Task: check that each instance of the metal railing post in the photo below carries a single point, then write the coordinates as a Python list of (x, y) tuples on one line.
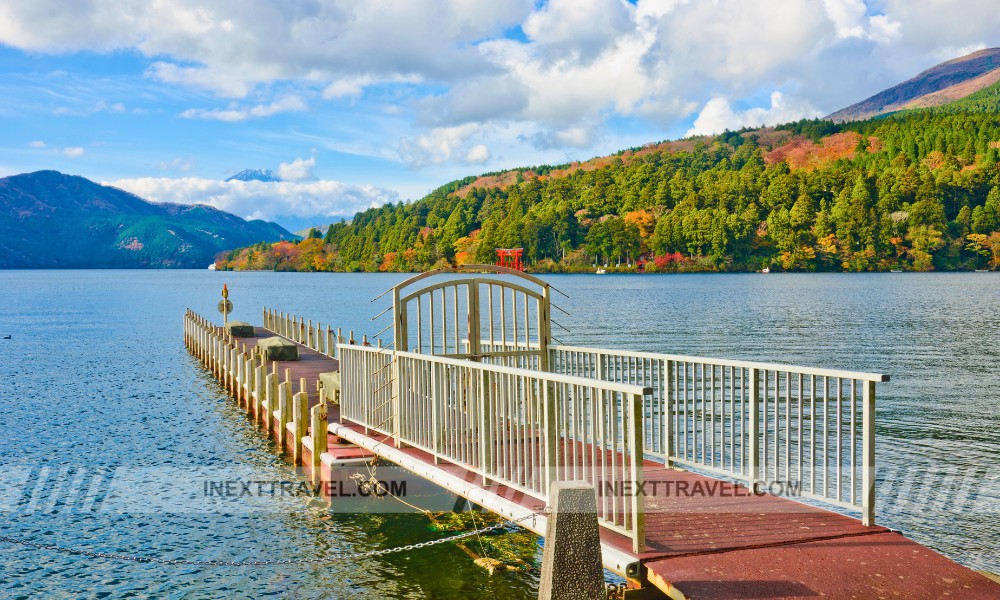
[(636, 438), (436, 400), (753, 429), (551, 437), (868, 454), (667, 377), (396, 400), (485, 439)]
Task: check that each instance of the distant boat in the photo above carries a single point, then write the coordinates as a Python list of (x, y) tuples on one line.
[(895, 270), (765, 270), (211, 267), (600, 271), (982, 270)]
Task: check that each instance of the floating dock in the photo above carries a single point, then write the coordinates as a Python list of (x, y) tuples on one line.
[(495, 415)]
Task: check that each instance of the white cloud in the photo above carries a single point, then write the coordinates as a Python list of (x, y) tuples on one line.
[(573, 137), (439, 145), (884, 30), (36, 144), (224, 84), (353, 86), (234, 114), (718, 115), (297, 170), (99, 107), (73, 151), (581, 65), (231, 48), (262, 200), (579, 28), (182, 165), (477, 155), (847, 16)]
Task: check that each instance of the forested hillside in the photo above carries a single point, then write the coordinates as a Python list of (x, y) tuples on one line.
[(917, 190)]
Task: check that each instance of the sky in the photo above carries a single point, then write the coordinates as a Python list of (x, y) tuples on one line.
[(358, 103)]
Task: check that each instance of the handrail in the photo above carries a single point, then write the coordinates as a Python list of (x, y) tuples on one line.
[(808, 428), (302, 331), (505, 370), (522, 428), (819, 372)]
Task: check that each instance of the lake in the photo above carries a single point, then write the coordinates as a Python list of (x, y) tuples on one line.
[(97, 384)]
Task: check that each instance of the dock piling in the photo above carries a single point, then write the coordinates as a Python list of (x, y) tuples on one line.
[(281, 414), (318, 432), (300, 419)]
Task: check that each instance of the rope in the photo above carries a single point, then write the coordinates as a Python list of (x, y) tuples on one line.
[(244, 563)]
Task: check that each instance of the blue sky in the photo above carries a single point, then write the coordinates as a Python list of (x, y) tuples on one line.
[(361, 103)]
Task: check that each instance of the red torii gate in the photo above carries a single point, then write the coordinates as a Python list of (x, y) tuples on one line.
[(510, 258)]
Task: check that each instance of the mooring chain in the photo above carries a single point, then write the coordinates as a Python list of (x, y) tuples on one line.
[(247, 563)]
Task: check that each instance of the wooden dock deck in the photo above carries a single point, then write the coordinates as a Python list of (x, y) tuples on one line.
[(704, 538)]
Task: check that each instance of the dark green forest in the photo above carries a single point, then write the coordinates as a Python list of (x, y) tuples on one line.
[(916, 190)]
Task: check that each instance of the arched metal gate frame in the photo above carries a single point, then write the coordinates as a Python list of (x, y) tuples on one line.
[(481, 318)]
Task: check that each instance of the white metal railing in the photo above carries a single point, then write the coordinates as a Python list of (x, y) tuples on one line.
[(302, 331), (520, 428), (761, 422)]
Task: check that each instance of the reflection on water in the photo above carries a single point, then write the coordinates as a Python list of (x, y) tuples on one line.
[(96, 376)]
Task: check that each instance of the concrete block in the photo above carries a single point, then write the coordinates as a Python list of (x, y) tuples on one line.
[(331, 383), (239, 329), (571, 559), (278, 348)]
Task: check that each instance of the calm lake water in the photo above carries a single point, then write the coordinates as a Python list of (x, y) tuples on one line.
[(96, 381)]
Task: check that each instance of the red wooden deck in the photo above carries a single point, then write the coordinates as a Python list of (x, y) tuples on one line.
[(709, 539)]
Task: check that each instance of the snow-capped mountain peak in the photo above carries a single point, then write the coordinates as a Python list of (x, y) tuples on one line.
[(254, 175)]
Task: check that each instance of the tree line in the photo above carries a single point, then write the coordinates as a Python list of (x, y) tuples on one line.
[(918, 190)]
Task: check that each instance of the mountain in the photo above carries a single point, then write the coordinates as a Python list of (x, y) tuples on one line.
[(255, 175), (937, 86), (52, 220), (307, 230)]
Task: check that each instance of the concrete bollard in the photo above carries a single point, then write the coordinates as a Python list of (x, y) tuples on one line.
[(300, 426), (571, 560), (260, 372), (246, 389), (270, 402), (282, 412), (318, 433)]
